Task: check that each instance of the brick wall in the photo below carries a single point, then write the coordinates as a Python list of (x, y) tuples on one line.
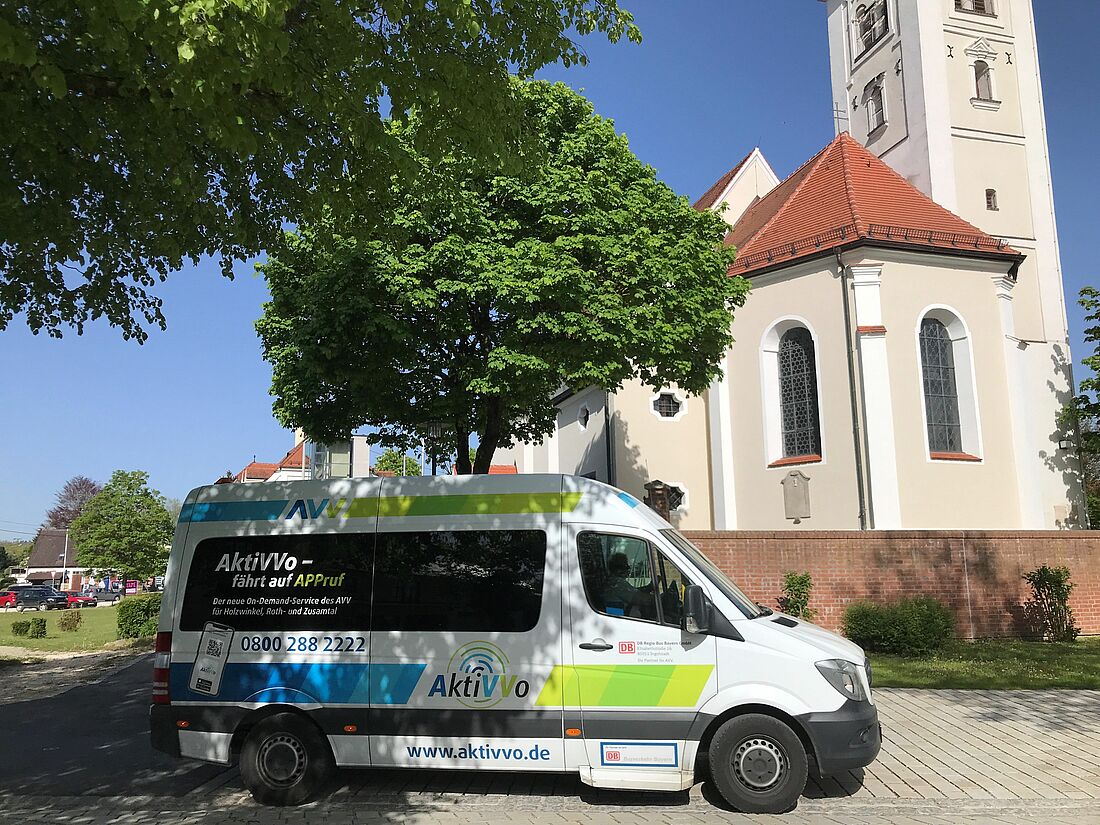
[(977, 573)]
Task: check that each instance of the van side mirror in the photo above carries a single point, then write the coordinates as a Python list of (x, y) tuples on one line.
[(696, 616)]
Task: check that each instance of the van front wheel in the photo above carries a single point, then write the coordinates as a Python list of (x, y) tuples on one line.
[(285, 760), (758, 764)]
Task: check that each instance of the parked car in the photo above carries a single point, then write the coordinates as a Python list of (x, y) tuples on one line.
[(40, 598), (7, 598), (108, 596), (78, 599)]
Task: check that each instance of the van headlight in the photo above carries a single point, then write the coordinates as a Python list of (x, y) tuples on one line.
[(844, 676)]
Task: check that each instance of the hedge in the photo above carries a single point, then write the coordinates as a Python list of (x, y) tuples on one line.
[(138, 616), (908, 627)]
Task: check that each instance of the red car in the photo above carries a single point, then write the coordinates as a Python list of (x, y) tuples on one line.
[(7, 598), (78, 599)]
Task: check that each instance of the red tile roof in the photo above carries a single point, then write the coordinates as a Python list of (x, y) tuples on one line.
[(710, 197), (494, 469), (295, 457), (842, 194), (257, 469)]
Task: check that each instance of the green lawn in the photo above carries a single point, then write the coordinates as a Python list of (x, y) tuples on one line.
[(995, 664), (96, 630)]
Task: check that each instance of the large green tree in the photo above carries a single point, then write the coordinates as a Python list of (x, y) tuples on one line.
[(1083, 412), (139, 134), (125, 528), (462, 300)]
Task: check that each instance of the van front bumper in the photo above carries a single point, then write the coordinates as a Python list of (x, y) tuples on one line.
[(846, 738)]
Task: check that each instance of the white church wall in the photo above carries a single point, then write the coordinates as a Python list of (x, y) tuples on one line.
[(950, 494), (582, 430), (674, 450), (810, 291), (754, 180), (1000, 166)]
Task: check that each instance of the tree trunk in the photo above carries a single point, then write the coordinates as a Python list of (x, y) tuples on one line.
[(487, 444), (462, 445)]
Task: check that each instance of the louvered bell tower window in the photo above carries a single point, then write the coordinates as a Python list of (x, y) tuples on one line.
[(798, 394), (941, 396)]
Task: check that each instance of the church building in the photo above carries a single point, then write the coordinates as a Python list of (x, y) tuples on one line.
[(903, 356)]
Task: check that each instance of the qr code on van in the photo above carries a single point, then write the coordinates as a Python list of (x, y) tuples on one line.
[(214, 648)]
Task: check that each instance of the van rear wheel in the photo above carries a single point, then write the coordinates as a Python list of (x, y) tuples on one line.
[(758, 764), (285, 760)]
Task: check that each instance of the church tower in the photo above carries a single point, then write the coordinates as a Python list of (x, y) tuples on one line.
[(947, 92)]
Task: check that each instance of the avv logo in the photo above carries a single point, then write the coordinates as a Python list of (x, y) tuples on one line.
[(478, 677)]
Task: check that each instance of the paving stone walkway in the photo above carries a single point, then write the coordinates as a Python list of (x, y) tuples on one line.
[(959, 757)]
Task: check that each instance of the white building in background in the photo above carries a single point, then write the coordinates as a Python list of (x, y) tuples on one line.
[(903, 356)]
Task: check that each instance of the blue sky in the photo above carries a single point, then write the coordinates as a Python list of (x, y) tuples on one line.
[(712, 79)]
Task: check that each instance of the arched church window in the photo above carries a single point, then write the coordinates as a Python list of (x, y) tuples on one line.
[(798, 403), (876, 110), (871, 23), (983, 80), (941, 394), (976, 6)]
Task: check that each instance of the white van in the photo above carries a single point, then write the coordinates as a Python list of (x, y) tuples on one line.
[(530, 623)]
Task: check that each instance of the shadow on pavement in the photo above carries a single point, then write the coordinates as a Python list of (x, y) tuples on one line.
[(92, 740)]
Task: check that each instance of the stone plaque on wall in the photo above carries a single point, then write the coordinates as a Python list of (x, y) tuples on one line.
[(796, 495)]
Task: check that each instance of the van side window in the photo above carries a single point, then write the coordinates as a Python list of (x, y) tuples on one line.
[(310, 582), (618, 575), (482, 581), (670, 587)]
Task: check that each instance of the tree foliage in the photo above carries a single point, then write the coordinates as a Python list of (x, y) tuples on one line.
[(18, 552), (467, 299), (71, 500), (1082, 414), (139, 134), (7, 560), (124, 529), (397, 462)]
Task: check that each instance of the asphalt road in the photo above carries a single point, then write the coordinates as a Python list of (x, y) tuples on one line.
[(92, 740)]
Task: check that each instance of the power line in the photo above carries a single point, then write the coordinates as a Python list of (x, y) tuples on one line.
[(24, 523)]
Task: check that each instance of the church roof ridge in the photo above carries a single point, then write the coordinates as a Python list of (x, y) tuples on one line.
[(797, 178), (842, 194)]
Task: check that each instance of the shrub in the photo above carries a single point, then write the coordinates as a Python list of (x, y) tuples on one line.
[(70, 621), (138, 615), (38, 628), (1048, 610), (20, 628), (909, 627), (797, 588)]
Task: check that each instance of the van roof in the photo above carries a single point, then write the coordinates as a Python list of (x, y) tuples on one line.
[(576, 499)]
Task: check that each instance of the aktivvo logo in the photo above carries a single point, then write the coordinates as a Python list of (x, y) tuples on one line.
[(478, 677), (311, 508)]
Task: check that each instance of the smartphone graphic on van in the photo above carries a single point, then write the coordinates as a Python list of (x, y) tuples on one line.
[(206, 675)]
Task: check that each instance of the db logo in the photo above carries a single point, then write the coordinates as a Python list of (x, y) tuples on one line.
[(625, 647), (612, 756)]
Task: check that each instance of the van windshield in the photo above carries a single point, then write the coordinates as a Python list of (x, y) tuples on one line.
[(716, 577)]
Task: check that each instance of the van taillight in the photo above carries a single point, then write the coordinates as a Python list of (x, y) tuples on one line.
[(162, 663)]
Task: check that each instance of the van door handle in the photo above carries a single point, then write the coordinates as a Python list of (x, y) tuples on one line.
[(599, 644)]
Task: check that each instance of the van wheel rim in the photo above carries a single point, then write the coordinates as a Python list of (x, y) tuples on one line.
[(759, 764), (282, 760)]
